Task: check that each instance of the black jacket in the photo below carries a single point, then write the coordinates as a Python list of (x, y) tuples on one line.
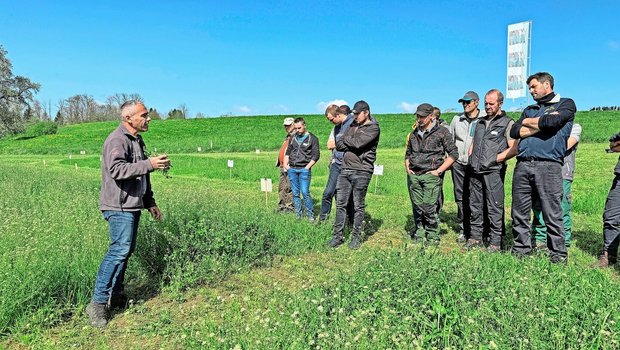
[(359, 143), (300, 154), (489, 140), (427, 154), (555, 123)]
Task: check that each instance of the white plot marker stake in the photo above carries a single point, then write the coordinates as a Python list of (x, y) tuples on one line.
[(377, 172), (266, 186), (231, 164)]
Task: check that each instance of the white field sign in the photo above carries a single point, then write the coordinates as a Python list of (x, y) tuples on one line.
[(377, 172), (231, 164), (266, 186), (519, 41)]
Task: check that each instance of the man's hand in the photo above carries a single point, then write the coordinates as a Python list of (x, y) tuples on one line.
[(435, 172), (160, 162), (614, 146), (156, 213)]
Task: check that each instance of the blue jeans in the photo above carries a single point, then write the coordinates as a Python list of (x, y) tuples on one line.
[(300, 184), (111, 275)]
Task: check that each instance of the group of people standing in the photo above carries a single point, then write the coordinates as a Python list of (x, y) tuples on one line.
[(353, 142), (475, 146)]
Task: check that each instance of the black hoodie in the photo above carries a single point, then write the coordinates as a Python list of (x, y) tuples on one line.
[(359, 143)]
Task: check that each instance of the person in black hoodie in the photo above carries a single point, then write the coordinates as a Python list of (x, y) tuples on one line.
[(359, 144), (491, 147), (301, 155)]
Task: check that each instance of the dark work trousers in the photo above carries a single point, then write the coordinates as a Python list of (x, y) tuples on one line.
[(543, 179), (611, 218), (350, 183), (486, 200), (460, 179), (330, 192), (416, 217)]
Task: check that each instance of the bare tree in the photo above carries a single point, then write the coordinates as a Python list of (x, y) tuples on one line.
[(16, 95)]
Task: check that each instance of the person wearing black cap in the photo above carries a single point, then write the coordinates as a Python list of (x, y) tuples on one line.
[(543, 130), (425, 162), (460, 130), (359, 144), (491, 147)]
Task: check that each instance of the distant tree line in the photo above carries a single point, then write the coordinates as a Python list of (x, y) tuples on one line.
[(606, 108), (19, 109)]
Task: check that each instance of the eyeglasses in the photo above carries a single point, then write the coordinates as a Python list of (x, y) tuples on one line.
[(466, 102)]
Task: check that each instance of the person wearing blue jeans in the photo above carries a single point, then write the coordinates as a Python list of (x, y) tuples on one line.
[(301, 155), (125, 191), (342, 119)]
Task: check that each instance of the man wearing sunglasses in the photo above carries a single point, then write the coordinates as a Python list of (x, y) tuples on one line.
[(425, 162), (460, 130)]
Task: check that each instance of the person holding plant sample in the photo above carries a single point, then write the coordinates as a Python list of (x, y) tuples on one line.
[(125, 191)]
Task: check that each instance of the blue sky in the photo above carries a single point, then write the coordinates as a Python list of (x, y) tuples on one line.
[(292, 57)]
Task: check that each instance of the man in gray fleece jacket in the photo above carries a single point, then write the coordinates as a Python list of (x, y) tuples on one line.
[(125, 191)]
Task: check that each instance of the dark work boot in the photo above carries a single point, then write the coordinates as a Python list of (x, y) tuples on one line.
[(97, 314), (604, 260), (335, 242), (356, 241)]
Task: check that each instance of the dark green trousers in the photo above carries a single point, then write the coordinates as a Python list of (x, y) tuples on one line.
[(425, 192)]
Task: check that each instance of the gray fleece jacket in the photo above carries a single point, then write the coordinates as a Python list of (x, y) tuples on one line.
[(125, 181)]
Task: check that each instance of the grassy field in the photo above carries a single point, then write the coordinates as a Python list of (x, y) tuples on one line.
[(224, 271), (244, 134)]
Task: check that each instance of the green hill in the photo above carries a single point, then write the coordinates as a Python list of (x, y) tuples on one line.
[(242, 134)]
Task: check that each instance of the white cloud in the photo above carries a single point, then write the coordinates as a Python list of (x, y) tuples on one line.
[(321, 106), (283, 108), (243, 109), (408, 107), (613, 45)]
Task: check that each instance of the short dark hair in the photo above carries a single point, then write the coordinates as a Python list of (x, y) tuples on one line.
[(541, 77), (500, 96), (344, 109), (299, 120)]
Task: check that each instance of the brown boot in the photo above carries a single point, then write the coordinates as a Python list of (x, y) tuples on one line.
[(604, 260)]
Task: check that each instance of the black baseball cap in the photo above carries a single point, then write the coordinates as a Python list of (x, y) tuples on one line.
[(360, 106), (424, 110)]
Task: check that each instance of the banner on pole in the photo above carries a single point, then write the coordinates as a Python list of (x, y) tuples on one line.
[(518, 59)]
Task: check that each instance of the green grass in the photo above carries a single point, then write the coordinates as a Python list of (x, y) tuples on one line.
[(224, 270), (245, 134)]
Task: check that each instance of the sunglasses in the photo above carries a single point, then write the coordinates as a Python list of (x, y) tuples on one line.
[(467, 102)]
